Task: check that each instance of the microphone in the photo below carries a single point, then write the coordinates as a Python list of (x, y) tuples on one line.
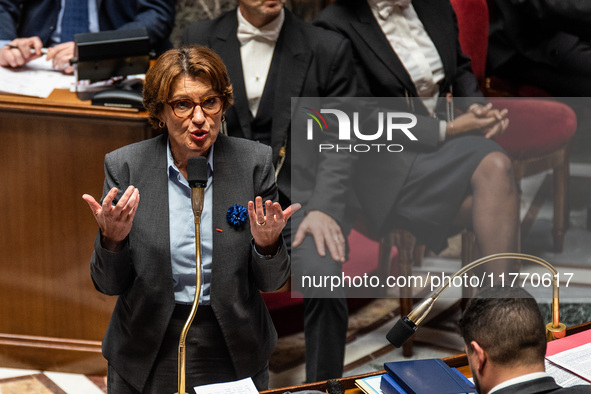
[(408, 325), (197, 178)]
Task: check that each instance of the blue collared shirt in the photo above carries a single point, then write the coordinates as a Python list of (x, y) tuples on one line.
[(182, 234)]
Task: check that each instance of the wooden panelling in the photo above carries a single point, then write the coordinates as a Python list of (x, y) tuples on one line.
[(51, 153)]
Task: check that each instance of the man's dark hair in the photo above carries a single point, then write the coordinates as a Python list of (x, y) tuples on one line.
[(507, 324)]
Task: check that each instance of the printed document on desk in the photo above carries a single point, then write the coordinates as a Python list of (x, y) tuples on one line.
[(244, 386), (37, 78), (567, 359), (562, 376), (576, 360)]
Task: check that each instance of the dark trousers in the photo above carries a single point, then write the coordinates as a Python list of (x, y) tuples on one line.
[(326, 315), (325, 329), (207, 358)]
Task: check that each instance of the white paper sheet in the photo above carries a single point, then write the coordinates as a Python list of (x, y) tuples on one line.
[(562, 376), (37, 78), (244, 386), (575, 360)]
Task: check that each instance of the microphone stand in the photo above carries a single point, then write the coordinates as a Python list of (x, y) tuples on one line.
[(197, 197), (408, 325)]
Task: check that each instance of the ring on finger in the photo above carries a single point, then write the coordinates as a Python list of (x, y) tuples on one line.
[(261, 223)]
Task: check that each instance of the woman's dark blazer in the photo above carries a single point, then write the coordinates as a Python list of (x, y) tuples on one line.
[(141, 273)]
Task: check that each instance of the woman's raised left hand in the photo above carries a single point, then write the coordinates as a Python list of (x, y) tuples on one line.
[(267, 223)]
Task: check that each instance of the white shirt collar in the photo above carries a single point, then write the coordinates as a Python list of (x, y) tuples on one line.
[(385, 7), (269, 32), (519, 379)]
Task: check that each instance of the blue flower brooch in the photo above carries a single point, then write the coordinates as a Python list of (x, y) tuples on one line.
[(237, 215)]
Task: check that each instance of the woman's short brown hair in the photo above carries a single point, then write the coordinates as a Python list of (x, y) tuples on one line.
[(192, 61)]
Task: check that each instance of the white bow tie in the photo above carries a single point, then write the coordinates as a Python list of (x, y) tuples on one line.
[(386, 7), (247, 33)]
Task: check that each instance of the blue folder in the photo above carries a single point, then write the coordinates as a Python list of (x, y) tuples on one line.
[(424, 377)]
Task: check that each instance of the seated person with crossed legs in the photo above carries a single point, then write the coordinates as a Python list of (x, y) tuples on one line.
[(455, 174)]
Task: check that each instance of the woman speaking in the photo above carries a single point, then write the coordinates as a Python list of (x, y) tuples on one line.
[(145, 250)]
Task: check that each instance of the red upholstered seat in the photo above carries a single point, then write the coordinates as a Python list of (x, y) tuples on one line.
[(472, 17), (363, 254), (282, 299), (536, 126), (286, 308)]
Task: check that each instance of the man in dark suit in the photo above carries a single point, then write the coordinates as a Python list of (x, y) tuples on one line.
[(35, 24), (546, 43), (454, 173), (505, 340), (272, 56)]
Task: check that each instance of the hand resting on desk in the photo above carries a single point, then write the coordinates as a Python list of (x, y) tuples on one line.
[(20, 51)]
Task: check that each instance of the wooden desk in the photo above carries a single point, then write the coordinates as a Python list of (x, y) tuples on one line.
[(52, 152), (460, 362)]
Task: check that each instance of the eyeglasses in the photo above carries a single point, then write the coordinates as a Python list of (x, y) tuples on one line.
[(184, 108)]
